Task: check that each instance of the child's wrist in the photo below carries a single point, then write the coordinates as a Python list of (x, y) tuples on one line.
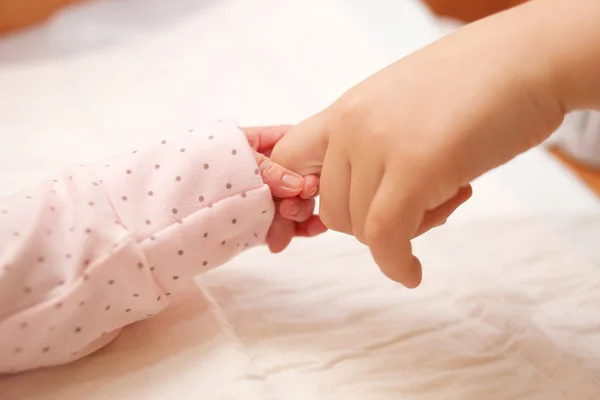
[(521, 57), (533, 62), (566, 35)]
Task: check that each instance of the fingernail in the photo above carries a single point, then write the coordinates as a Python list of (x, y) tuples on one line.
[(314, 192), (294, 209), (292, 181)]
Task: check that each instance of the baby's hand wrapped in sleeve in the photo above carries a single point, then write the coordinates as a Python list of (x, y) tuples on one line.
[(99, 246)]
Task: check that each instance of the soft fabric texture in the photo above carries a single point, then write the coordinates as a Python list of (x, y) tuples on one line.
[(99, 246)]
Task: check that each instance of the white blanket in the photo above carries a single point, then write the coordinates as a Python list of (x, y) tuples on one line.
[(509, 308)]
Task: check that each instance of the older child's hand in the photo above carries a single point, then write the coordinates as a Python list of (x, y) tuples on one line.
[(294, 194), (397, 152)]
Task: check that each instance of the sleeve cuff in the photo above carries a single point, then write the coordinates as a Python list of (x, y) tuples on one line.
[(192, 201)]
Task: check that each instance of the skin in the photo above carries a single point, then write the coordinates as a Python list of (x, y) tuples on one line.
[(294, 194), (396, 153)]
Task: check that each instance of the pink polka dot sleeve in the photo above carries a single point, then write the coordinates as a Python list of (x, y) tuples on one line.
[(100, 246)]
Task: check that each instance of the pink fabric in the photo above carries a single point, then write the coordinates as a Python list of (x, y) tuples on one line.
[(100, 246)]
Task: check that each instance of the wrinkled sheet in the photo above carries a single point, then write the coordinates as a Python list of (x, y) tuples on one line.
[(509, 307)]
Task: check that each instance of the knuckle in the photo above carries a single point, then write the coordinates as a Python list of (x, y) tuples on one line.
[(350, 107), (267, 168), (349, 114), (377, 229)]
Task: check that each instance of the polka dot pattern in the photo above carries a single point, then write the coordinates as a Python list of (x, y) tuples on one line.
[(146, 223)]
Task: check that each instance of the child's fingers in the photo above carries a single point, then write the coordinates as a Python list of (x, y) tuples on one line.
[(283, 230), (264, 138), (311, 227), (311, 187), (438, 216), (282, 182), (280, 234), (297, 209)]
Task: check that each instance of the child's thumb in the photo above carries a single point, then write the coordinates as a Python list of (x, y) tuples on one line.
[(303, 147)]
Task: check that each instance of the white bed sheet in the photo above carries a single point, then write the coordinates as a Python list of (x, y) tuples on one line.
[(509, 305)]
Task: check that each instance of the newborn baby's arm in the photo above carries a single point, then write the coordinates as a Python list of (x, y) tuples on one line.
[(100, 246)]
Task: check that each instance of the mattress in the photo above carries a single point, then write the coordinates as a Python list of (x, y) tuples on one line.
[(509, 304)]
